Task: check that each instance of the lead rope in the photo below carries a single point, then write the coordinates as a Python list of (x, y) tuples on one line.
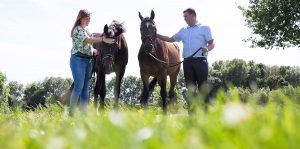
[(174, 64)]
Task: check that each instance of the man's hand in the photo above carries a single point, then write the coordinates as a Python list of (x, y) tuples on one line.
[(204, 49)]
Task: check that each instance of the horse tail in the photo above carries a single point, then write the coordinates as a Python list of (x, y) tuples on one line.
[(152, 84)]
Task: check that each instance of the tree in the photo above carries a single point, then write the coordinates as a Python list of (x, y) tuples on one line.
[(34, 96), (2, 82), (55, 86), (16, 89), (181, 82), (236, 72), (256, 75), (130, 89), (275, 22), (16, 92), (3, 94)]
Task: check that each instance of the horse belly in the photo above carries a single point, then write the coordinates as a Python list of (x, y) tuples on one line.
[(174, 58)]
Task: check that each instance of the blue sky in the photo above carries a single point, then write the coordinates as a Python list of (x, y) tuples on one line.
[(35, 38)]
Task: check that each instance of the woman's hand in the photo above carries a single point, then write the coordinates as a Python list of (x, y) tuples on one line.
[(96, 34), (95, 52), (108, 40)]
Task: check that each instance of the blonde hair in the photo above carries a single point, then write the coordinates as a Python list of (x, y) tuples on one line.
[(81, 14)]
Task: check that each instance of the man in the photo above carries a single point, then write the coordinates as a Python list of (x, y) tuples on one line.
[(197, 42)]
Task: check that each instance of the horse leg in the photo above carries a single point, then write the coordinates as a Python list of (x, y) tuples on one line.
[(96, 93), (145, 91), (152, 85), (173, 81), (119, 76), (102, 91), (163, 92)]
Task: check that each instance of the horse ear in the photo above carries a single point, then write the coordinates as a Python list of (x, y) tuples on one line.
[(152, 15), (141, 17), (105, 28)]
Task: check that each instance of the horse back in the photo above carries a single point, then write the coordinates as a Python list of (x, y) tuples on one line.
[(171, 51)]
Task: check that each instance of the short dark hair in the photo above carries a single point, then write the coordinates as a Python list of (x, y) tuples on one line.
[(190, 11)]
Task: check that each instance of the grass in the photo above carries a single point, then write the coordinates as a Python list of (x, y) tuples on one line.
[(227, 123)]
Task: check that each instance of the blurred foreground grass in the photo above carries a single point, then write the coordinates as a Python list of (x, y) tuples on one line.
[(227, 123)]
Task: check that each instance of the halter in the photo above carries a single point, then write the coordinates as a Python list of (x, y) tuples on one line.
[(109, 53), (151, 37)]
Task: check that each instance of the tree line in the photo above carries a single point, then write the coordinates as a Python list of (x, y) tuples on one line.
[(222, 75)]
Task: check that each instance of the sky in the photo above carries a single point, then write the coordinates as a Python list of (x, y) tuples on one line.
[(35, 38)]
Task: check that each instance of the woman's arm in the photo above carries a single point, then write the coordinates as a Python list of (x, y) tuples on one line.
[(98, 39)]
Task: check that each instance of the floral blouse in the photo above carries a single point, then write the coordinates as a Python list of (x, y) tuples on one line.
[(78, 36)]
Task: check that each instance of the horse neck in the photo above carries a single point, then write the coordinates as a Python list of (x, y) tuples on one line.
[(157, 50)]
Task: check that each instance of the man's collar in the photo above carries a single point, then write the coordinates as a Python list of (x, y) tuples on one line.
[(196, 24)]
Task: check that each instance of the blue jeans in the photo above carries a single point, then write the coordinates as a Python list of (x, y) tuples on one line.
[(81, 71)]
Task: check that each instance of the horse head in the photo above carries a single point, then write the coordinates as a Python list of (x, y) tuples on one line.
[(148, 32), (109, 51)]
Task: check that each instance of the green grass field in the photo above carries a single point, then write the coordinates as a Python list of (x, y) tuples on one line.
[(227, 123)]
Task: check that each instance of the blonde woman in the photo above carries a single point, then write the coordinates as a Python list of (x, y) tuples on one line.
[(81, 60)]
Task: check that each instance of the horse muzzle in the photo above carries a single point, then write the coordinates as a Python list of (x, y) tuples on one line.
[(149, 48), (108, 70)]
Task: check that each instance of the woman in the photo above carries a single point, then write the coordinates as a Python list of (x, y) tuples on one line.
[(81, 60)]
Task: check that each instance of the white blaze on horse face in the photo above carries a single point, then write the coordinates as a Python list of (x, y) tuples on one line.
[(147, 24)]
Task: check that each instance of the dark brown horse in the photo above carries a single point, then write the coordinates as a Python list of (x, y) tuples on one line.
[(155, 59), (111, 58)]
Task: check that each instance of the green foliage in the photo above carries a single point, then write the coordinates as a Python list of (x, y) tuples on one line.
[(256, 75), (180, 80), (4, 92), (275, 23), (16, 89), (34, 96), (252, 75), (222, 75), (4, 106), (2, 82), (41, 94), (130, 89), (55, 86), (236, 72), (227, 123)]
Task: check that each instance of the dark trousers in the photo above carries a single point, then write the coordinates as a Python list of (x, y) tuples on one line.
[(195, 72)]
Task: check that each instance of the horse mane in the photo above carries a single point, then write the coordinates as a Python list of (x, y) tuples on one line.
[(118, 26)]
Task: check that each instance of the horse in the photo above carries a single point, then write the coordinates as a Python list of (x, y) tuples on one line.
[(157, 58), (111, 58)]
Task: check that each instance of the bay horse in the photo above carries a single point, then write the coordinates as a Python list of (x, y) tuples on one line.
[(155, 59), (111, 58)]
